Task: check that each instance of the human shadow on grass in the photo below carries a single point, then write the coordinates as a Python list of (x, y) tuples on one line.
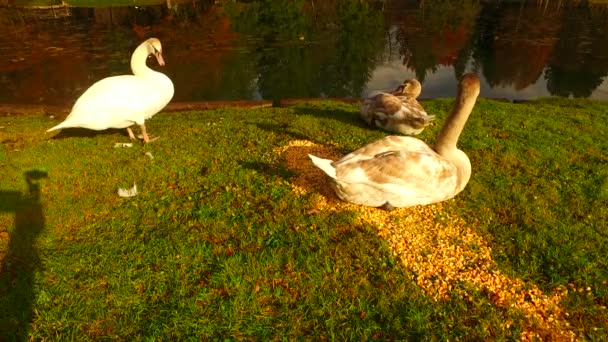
[(18, 267)]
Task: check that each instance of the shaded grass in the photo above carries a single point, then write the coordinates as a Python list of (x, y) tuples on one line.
[(218, 245), (88, 3)]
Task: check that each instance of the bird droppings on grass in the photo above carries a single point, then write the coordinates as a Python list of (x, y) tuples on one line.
[(442, 251)]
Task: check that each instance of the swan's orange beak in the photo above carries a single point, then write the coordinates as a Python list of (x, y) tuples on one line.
[(159, 58)]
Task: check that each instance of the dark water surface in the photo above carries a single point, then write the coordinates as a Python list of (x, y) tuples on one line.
[(301, 48)]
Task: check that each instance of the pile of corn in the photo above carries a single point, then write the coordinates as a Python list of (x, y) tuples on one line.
[(442, 252)]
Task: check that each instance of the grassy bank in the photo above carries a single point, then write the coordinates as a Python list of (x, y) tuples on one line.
[(233, 235)]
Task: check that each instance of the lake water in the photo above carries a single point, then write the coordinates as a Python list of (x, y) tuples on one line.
[(306, 49)]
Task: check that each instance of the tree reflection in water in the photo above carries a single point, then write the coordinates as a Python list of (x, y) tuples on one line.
[(435, 34), (329, 50), (301, 48), (579, 63)]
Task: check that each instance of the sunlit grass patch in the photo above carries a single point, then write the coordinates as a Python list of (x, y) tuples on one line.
[(445, 256), (234, 235)]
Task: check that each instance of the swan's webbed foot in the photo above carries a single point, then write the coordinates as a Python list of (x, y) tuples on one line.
[(145, 136), (151, 138), (388, 207)]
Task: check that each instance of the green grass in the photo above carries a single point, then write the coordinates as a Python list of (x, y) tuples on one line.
[(217, 245)]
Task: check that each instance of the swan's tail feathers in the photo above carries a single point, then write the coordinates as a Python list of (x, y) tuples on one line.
[(325, 165), (60, 126)]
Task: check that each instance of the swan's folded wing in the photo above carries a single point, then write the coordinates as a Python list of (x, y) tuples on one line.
[(412, 103), (386, 103), (411, 107), (386, 144), (119, 95), (403, 172)]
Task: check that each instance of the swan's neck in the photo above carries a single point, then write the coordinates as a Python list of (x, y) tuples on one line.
[(138, 61), (448, 137)]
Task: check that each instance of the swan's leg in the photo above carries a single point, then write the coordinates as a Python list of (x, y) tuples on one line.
[(388, 207), (131, 135), (143, 132)]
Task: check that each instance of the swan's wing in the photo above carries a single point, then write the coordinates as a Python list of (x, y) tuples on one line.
[(386, 144), (412, 103), (395, 105), (411, 113), (386, 109), (378, 107), (385, 103), (126, 97), (403, 172), (380, 103)]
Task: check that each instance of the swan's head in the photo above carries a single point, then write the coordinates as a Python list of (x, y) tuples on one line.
[(154, 48), (468, 87), (411, 88)]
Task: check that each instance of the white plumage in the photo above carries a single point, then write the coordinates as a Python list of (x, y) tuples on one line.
[(121, 101), (403, 171)]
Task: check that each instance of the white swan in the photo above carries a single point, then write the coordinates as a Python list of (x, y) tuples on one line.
[(398, 111), (121, 101), (400, 171)]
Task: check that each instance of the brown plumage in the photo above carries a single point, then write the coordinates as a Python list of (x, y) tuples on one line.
[(400, 171), (398, 111)]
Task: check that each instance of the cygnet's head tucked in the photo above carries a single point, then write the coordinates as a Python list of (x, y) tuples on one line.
[(410, 88)]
